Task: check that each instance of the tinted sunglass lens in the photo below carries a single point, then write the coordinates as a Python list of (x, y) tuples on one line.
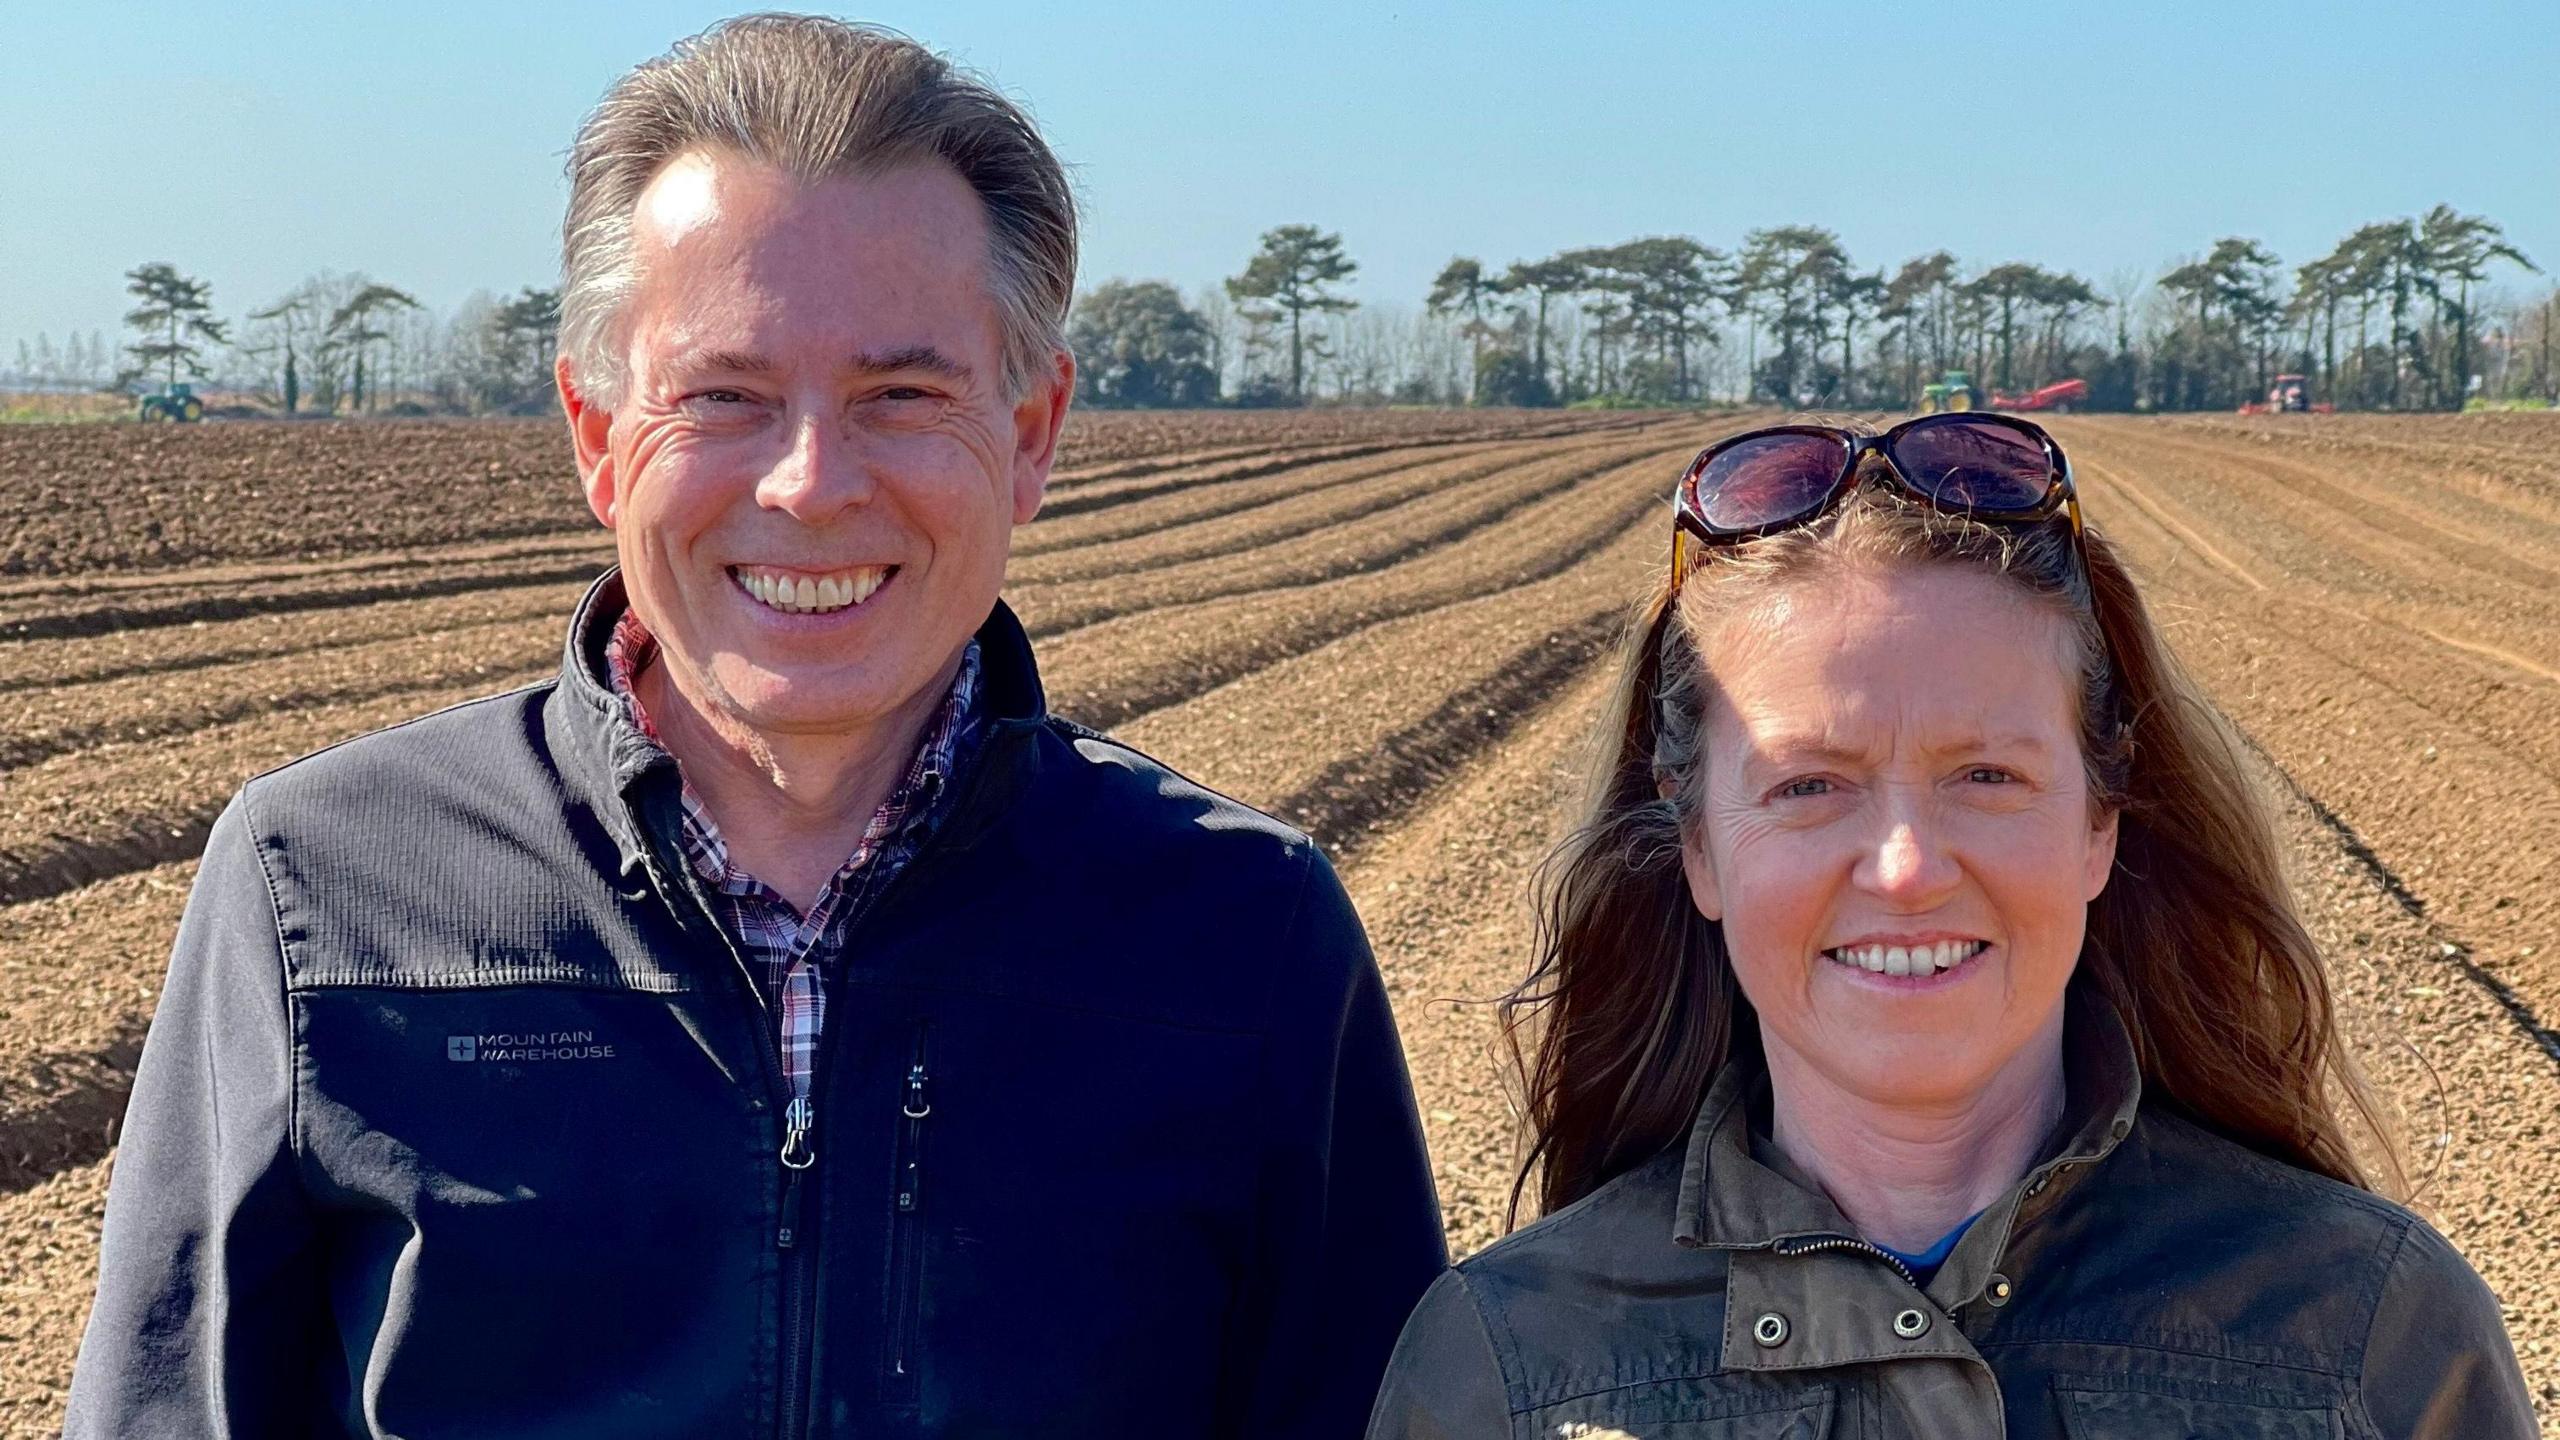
[(1974, 465), (1767, 480)]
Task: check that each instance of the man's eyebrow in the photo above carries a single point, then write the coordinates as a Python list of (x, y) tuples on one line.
[(734, 362), (910, 358)]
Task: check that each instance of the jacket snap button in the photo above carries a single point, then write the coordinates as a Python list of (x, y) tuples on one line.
[(1999, 1292), (1770, 1330), (1911, 1324)]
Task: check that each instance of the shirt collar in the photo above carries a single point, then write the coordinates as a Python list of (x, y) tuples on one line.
[(610, 771), (631, 648)]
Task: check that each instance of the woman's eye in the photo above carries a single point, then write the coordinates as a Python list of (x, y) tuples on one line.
[(1989, 775), (1805, 788)]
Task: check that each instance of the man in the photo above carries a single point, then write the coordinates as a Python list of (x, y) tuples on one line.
[(779, 1022)]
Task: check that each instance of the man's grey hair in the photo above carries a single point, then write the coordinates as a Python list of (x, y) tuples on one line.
[(815, 98)]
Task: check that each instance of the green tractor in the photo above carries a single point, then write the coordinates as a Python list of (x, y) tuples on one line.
[(1954, 392), (178, 402)]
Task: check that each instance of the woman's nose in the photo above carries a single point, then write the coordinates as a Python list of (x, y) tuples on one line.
[(1908, 864), (822, 472)]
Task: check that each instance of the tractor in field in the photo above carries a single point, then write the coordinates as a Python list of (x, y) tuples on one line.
[(1954, 391), (2290, 395), (177, 402), (2057, 397)]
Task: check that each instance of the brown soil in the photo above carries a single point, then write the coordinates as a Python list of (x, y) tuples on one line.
[(1401, 649), (87, 499)]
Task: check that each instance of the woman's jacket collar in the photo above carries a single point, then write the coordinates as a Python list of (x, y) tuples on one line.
[(1730, 1200)]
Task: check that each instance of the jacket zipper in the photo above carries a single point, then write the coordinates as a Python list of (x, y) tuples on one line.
[(906, 1261), (798, 1153), (1843, 1242)]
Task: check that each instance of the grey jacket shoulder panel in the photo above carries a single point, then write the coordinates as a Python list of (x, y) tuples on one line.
[(1444, 1381), (2185, 1240), (1598, 1296), (357, 838)]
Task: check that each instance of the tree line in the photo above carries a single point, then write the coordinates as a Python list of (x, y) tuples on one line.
[(2399, 315), (335, 344), (2402, 314)]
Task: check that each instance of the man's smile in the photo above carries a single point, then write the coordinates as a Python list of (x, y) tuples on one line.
[(802, 592)]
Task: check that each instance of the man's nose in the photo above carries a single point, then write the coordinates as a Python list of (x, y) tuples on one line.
[(824, 470)]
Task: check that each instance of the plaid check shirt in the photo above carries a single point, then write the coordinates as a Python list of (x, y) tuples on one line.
[(788, 951)]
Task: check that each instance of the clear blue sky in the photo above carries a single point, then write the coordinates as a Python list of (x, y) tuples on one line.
[(255, 144)]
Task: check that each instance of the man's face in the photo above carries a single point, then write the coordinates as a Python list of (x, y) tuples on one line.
[(814, 473)]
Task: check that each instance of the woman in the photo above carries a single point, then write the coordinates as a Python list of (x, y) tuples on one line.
[(1923, 1041)]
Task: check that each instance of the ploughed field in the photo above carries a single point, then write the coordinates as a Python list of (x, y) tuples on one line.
[(1390, 628)]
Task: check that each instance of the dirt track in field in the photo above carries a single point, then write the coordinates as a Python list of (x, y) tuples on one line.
[(1393, 635)]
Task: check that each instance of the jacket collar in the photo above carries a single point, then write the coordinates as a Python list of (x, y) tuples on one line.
[(1730, 1199), (606, 765)]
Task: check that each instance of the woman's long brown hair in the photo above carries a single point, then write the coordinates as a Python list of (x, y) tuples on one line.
[(1632, 1008)]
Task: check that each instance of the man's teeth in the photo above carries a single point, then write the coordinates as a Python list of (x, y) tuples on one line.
[(806, 595), (1912, 960)]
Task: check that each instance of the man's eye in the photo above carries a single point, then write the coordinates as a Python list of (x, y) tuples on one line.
[(905, 392), (1805, 788), (721, 397)]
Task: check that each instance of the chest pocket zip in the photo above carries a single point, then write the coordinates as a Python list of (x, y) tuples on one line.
[(906, 1258)]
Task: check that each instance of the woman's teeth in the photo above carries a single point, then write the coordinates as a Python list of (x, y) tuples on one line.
[(807, 594), (1909, 960)]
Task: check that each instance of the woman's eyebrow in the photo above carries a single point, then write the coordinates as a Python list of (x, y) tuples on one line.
[(1801, 749), (1798, 749)]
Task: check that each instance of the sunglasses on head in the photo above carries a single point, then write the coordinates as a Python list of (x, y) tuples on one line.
[(1986, 467)]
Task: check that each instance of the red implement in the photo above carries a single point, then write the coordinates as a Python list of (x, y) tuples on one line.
[(2060, 395)]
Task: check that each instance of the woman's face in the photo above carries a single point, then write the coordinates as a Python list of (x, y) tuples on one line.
[(1895, 828)]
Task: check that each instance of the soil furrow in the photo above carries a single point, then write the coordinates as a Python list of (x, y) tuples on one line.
[(1266, 529), (76, 718), (2395, 519), (1081, 501), (71, 719), (113, 618), (105, 659), (2444, 769), (78, 819), (1188, 525), (79, 973), (1445, 897), (1389, 735), (1051, 532), (1415, 527), (1133, 665)]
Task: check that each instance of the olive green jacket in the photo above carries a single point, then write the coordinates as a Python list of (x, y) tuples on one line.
[(2147, 1279)]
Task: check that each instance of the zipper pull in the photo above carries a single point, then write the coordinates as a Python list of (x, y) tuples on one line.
[(797, 1155), (797, 1151), (917, 1106), (788, 1234)]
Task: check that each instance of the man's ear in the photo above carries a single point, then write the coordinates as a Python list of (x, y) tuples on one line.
[(1695, 862), (1037, 418), (590, 426)]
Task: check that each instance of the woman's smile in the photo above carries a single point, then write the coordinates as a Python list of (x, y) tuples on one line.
[(1917, 966)]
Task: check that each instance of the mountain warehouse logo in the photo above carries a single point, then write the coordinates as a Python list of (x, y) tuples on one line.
[(531, 1045)]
